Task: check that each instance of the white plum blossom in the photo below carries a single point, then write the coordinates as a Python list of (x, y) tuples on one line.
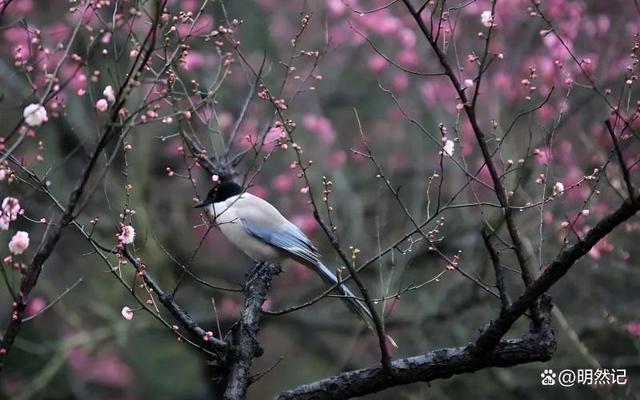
[(449, 147), (127, 235), (35, 115), (468, 83), (486, 18), (109, 94), (558, 188), (127, 313), (19, 242)]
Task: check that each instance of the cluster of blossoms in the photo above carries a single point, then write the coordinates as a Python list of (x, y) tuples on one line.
[(5, 172), (109, 98), (9, 212), (126, 236)]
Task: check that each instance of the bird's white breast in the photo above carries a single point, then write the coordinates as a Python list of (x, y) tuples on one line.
[(227, 214)]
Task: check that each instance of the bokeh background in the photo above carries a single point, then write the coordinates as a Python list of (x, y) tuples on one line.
[(534, 91)]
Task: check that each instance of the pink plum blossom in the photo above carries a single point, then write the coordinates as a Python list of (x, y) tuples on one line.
[(336, 7), (35, 305), (283, 183), (102, 105), (127, 313), (104, 367), (377, 63), (336, 159), (10, 211), (19, 242), (633, 328), (400, 81), (266, 304), (11, 207), (193, 60), (258, 190), (306, 222), (544, 156), (604, 246), (127, 235), (229, 307), (321, 126)]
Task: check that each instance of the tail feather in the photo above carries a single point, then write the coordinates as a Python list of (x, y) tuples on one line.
[(356, 305)]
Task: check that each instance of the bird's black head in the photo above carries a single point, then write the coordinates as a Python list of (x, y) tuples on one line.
[(220, 192)]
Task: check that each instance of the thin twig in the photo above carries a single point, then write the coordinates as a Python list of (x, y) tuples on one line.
[(54, 301), (623, 164), (495, 260)]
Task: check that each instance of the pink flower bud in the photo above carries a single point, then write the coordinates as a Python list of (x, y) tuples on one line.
[(102, 105), (127, 313)]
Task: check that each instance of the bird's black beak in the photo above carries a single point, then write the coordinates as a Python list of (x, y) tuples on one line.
[(203, 203)]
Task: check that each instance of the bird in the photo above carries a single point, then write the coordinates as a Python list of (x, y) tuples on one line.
[(258, 229)]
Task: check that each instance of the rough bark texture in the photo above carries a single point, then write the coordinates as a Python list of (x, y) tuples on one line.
[(245, 347), (438, 364)]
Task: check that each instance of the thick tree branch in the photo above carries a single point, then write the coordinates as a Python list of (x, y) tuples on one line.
[(437, 364), (488, 351), (169, 303), (556, 270), (244, 338)]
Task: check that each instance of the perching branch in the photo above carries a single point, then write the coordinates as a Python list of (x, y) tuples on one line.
[(245, 333)]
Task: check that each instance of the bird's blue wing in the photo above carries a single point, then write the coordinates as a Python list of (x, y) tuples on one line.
[(288, 238)]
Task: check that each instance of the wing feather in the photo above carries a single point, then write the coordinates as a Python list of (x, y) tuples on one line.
[(287, 237)]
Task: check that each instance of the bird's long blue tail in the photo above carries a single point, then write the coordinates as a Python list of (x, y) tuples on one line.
[(356, 305)]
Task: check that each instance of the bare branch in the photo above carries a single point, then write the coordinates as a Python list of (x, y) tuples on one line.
[(623, 165), (495, 260), (470, 110), (556, 270), (244, 337), (437, 364)]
